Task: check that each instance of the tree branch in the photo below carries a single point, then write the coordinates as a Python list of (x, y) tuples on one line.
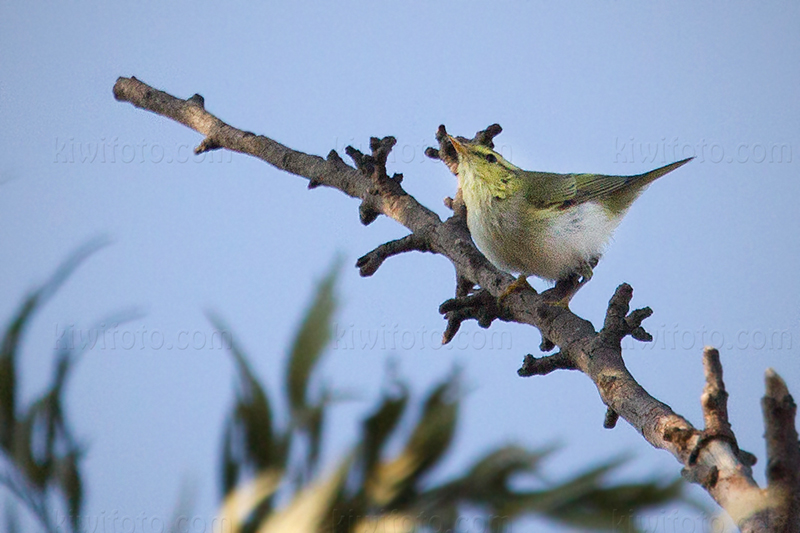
[(369, 263), (783, 453), (715, 462), (533, 366)]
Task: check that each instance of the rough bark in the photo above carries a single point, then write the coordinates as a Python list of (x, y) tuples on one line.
[(710, 457)]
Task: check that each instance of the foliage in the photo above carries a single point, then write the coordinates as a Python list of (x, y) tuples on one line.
[(42, 456), (370, 490)]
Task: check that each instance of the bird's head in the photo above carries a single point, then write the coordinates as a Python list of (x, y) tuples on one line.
[(476, 161)]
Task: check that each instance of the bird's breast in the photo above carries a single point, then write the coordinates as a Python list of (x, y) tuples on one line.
[(549, 243)]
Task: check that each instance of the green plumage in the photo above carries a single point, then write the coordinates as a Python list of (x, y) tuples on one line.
[(554, 226), (615, 193)]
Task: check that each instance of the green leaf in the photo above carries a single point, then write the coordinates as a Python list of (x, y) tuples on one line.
[(8, 372), (564, 499), (584, 483), (37, 471), (315, 416), (230, 464), (433, 434), (310, 341), (488, 479), (69, 476), (9, 346), (252, 420), (584, 501), (377, 428), (395, 479)]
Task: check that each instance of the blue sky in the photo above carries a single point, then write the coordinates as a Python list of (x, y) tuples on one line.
[(611, 86)]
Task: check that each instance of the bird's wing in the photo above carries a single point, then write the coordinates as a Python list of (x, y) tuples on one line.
[(594, 186), (546, 189)]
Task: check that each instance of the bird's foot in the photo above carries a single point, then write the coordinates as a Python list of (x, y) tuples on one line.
[(519, 284), (566, 288), (562, 293)]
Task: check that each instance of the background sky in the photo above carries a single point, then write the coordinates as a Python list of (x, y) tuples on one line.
[(611, 86)]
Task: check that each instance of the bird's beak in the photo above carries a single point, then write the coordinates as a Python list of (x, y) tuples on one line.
[(460, 148)]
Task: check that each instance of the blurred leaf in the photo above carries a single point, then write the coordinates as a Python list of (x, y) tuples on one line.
[(310, 507), (379, 426), (585, 501), (388, 494), (427, 443), (37, 471), (388, 523), (599, 506), (310, 341), (230, 464), (581, 485), (69, 476), (315, 417), (243, 500), (252, 418), (53, 419), (637, 495), (488, 479), (565, 499), (498, 465), (12, 336), (8, 371), (49, 418), (435, 430)]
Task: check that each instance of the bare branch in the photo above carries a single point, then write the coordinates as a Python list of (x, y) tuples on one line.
[(369, 263), (783, 454), (715, 406), (730, 482), (716, 462), (611, 419), (533, 366), (619, 324)]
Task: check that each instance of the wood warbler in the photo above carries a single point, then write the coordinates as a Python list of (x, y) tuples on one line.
[(549, 225)]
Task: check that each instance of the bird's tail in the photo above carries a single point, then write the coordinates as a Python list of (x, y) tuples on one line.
[(650, 177)]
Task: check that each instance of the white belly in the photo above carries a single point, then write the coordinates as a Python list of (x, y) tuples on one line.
[(551, 248)]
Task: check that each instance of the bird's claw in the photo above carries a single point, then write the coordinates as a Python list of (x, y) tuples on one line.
[(566, 288), (519, 284), (562, 293)]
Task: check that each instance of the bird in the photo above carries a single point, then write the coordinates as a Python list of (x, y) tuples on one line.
[(549, 225)]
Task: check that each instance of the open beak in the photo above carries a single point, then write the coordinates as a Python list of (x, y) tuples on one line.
[(460, 148)]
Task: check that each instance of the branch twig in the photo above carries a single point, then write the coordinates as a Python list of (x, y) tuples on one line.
[(783, 453)]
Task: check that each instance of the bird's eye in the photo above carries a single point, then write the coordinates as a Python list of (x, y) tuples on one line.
[(491, 158)]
